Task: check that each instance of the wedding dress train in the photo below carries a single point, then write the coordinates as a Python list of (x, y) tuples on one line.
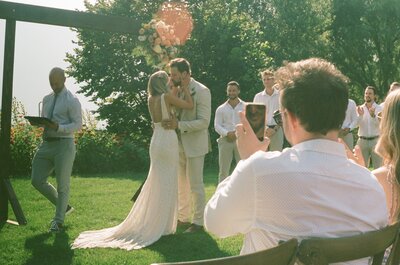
[(154, 213)]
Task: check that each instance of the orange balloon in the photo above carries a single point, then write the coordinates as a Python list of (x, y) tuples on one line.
[(178, 21)]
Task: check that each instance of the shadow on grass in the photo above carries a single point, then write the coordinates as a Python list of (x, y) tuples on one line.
[(48, 248), (187, 247)]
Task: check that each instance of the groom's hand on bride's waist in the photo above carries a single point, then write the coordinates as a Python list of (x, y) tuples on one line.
[(170, 124)]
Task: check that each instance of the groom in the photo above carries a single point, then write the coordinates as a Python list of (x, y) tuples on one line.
[(192, 128)]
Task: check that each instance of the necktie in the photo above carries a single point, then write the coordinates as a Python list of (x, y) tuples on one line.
[(51, 111)]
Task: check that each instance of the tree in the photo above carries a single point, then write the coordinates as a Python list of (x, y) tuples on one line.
[(366, 41)]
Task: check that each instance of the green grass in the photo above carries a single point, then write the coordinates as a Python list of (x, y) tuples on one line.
[(100, 201)]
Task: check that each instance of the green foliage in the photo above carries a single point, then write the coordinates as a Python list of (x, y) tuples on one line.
[(366, 42), (24, 141), (101, 151)]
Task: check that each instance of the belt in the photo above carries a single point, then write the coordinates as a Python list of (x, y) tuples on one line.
[(54, 139), (368, 138)]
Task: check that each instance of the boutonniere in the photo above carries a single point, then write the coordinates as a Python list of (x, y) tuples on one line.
[(193, 92)]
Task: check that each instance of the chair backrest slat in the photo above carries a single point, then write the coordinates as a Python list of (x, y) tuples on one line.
[(284, 254)]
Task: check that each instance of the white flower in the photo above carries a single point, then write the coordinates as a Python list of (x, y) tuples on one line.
[(142, 38)]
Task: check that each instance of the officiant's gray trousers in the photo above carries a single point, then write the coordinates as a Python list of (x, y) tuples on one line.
[(57, 155)]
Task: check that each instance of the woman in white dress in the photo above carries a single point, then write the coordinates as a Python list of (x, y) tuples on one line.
[(154, 213)]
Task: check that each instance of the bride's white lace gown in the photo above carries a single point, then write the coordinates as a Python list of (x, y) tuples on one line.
[(154, 213)]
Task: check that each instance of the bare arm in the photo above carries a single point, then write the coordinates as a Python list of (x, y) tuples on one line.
[(186, 103)]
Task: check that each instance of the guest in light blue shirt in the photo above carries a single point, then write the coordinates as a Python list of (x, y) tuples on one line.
[(57, 152)]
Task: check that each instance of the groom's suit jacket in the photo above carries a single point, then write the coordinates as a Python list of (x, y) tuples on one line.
[(193, 123)]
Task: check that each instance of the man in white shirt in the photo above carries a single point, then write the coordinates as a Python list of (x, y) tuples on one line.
[(270, 98), (349, 123), (226, 119), (368, 132), (308, 190), (57, 152)]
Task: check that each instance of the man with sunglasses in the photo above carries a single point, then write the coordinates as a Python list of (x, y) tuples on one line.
[(308, 190), (270, 98)]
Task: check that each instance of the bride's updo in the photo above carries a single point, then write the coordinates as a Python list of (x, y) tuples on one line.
[(158, 83)]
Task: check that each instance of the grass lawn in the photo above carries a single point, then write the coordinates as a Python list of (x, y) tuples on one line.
[(100, 201)]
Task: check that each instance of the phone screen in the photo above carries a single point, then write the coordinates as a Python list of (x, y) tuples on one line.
[(255, 114)]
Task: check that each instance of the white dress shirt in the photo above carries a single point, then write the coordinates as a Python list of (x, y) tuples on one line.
[(369, 127), (309, 190), (351, 118), (271, 103), (67, 113), (227, 117)]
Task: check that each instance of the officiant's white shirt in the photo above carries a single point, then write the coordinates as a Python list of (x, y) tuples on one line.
[(309, 190)]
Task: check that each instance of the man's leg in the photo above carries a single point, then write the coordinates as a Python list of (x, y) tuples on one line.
[(195, 172), (348, 139), (276, 141), (184, 200), (225, 157), (42, 166), (376, 159), (64, 161), (364, 146)]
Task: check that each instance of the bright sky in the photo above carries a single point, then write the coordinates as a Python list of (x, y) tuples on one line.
[(38, 48)]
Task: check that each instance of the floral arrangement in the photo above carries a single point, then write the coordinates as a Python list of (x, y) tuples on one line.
[(160, 38), (159, 43)]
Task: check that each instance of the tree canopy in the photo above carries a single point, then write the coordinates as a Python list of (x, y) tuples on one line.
[(235, 40)]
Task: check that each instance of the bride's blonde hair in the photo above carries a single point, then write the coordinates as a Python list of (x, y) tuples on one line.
[(388, 145), (158, 83)]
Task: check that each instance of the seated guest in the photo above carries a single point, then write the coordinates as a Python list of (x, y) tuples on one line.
[(308, 190)]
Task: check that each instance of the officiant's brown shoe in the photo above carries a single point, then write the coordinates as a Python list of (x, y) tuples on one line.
[(182, 224), (194, 228)]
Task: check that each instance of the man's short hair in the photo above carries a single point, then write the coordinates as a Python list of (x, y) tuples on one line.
[(181, 64), (315, 92), (372, 88), (233, 83), (266, 72)]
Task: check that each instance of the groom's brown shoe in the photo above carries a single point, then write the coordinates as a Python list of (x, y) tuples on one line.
[(194, 228)]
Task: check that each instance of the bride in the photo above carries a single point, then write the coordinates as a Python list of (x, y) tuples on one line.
[(154, 213)]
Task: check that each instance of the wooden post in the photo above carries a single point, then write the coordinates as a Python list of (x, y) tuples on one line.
[(7, 192)]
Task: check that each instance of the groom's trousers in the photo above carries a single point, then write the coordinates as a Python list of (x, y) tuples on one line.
[(191, 188)]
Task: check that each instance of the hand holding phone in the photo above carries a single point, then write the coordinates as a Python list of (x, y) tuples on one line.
[(247, 141), (255, 114)]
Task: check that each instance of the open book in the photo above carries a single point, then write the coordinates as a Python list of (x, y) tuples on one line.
[(37, 120)]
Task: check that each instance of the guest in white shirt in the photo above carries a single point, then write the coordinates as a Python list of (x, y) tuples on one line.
[(308, 190), (270, 98), (368, 132), (349, 123), (226, 119), (57, 152)]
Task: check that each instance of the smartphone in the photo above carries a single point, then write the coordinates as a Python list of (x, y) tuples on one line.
[(255, 114)]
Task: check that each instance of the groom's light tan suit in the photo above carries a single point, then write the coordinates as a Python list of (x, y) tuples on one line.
[(194, 144)]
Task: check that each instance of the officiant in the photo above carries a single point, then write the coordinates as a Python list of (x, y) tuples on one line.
[(57, 151)]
